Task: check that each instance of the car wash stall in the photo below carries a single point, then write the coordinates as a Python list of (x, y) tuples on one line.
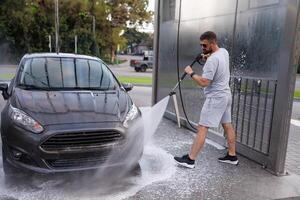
[(262, 38)]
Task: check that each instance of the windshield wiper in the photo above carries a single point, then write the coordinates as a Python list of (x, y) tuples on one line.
[(87, 88), (32, 87)]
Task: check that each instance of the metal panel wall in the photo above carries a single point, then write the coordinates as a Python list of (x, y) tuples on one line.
[(260, 37)]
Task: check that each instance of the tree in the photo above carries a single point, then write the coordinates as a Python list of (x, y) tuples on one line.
[(135, 37), (126, 12), (30, 22), (26, 28)]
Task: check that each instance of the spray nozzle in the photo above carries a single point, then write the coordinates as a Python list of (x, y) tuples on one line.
[(172, 93)]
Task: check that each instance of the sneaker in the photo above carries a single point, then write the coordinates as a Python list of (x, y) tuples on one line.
[(185, 161), (229, 159)]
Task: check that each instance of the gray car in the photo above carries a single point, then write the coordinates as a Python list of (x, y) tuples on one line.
[(67, 112)]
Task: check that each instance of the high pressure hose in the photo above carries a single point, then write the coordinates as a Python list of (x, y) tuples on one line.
[(178, 76)]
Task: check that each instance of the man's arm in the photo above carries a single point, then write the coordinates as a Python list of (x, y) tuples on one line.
[(199, 79)]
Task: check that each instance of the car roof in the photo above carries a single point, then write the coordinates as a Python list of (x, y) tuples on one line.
[(60, 55)]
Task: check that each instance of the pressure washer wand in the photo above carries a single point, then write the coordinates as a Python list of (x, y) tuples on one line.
[(183, 75), (173, 93)]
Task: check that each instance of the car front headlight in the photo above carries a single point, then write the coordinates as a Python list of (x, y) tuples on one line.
[(23, 120), (131, 115)]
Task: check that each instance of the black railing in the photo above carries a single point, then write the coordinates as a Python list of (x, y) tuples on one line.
[(252, 111)]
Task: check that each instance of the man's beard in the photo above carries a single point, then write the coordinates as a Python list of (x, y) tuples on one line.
[(207, 51)]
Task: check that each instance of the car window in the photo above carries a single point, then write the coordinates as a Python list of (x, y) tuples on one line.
[(53, 68), (66, 73), (34, 68)]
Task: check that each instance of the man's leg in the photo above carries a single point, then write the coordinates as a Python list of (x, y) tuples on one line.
[(188, 160), (198, 142), (228, 128), (231, 157)]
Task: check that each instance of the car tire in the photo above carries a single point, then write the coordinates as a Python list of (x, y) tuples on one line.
[(137, 170), (143, 68), (137, 69)]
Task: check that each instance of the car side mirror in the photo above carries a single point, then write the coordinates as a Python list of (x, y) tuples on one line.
[(127, 86), (4, 89)]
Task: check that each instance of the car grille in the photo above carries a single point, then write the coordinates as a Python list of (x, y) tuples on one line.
[(69, 163), (81, 140)]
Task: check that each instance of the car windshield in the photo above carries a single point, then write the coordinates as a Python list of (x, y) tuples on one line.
[(65, 73)]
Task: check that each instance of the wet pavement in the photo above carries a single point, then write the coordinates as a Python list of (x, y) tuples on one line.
[(211, 179), (160, 178)]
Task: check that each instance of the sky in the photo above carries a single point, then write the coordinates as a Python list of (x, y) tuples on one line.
[(149, 27), (151, 5)]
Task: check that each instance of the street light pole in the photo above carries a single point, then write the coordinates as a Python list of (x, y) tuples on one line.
[(95, 46), (50, 46), (56, 27), (76, 39), (94, 27)]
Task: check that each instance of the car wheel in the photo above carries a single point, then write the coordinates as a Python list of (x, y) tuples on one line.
[(143, 68), (137, 170), (137, 69)]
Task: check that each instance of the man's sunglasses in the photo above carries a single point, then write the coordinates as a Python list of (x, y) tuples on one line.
[(203, 45)]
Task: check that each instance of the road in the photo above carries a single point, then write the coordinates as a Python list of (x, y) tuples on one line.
[(297, 85), (124, 69)]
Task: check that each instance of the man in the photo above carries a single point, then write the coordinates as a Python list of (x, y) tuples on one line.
[(217, 106)]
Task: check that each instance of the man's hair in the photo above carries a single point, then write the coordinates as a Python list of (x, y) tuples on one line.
[(209, 35)]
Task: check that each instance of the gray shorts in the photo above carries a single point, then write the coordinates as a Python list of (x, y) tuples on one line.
[(216, 110)]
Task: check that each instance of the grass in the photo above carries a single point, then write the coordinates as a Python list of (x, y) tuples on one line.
[(297, 94), (116, 61), (6, 76), (135, 80)]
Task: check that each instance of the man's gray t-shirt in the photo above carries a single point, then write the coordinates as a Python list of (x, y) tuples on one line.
[(217, 70)]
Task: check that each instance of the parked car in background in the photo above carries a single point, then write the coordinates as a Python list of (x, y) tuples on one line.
[(66, 112), (141, 65)]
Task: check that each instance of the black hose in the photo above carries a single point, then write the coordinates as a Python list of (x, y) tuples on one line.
[(178, 76)]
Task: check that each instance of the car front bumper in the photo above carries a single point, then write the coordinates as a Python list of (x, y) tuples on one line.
[(26, 150)]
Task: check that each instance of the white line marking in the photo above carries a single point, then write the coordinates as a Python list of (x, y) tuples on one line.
[(295, 122), (214, 144)]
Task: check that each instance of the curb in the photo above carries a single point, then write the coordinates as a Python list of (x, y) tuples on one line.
[(296, 99), (141, 85)]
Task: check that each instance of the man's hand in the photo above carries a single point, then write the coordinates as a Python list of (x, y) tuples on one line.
[(188, 70), (204, 57)]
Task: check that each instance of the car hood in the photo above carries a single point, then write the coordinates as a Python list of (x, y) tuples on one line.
[(69, 107)]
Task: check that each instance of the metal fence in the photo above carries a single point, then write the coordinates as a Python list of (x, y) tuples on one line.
[(252, 111)]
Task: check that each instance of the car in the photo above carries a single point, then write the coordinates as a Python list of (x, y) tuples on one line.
[(67, 112), (142, 65)]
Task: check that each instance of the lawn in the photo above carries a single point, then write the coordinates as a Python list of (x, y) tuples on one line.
[(6, 76), (135, 80), (297, 94)]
